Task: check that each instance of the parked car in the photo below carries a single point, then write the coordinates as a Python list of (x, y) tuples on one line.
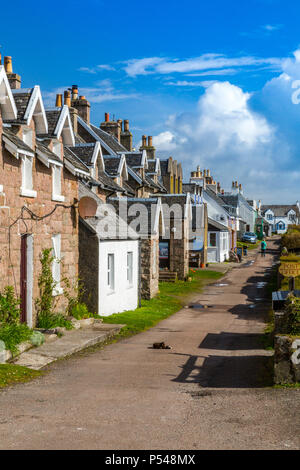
[(249, 237)]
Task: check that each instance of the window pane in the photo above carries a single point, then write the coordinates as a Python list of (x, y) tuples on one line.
[(111, 271), (129, 267), (212, 239)]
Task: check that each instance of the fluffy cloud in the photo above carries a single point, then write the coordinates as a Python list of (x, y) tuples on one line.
[(227, 136)]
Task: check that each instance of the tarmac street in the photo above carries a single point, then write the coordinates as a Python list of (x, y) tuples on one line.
[(212, 390)]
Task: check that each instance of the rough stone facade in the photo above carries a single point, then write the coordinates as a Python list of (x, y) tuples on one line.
[(149, 267), (179, 252), (63, 221), (286, 359), (88, 266)]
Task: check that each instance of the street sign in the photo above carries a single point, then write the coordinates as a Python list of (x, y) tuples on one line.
[(289, 269)]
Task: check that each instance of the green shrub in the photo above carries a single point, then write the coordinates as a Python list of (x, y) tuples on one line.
[(45, 303), (48, 321), (14, 334), (37, 338), (9, 306), (80, 311), (292, 310), (291, 240)]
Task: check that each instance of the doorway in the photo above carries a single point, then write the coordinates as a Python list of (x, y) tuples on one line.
[(26, 279)]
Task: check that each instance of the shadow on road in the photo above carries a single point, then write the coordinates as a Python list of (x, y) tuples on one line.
[(228, 372)]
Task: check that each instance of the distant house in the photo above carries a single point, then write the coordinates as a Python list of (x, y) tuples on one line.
[(281, 216)]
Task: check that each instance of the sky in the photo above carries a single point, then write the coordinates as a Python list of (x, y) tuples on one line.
[(216, 83)]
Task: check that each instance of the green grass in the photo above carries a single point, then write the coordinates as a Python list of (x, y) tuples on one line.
[(11, 374), (250, 246), (295, 385), (14, 334), (169, 300)]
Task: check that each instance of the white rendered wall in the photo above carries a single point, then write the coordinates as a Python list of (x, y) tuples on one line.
[(123, 297)]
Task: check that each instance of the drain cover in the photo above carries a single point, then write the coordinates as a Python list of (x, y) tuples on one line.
[(220, 285)]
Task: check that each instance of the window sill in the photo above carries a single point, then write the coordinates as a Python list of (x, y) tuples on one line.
[(57, 291), (28, 192), (58, 198), (1, 188), (111, 292)]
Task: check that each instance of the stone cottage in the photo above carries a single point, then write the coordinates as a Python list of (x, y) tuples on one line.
[(38, 194)]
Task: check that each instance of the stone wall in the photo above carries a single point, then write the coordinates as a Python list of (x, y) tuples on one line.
[(286, 359), (89, 266), (179, 251), (63, 221), (149, 267)]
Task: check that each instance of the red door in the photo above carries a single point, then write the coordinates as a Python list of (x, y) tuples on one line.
[(23, 279)]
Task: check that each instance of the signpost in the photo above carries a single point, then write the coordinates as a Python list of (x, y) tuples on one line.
[(290, 270)]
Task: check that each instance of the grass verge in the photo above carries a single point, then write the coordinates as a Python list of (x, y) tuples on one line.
[(169, 300), (11, 374), (249, 246)]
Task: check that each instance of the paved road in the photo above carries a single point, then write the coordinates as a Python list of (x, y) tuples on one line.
[(210, 391)]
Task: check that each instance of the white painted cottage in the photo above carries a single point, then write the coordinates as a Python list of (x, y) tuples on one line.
[(281, 216), (109, 259)]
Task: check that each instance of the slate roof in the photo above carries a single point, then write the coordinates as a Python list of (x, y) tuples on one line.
[(46, 151), (151, 166), (164, 167), (134, 160), (109, 139), (214, 226), (108, 182), (111, 165), (21, 97), (280, 210), (52, 118), (84, 152), (146, 218), (94, 224), (74, 160), (191, 188), (16, 140)]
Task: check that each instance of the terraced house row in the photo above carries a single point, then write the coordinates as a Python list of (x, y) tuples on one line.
[(119, 219)]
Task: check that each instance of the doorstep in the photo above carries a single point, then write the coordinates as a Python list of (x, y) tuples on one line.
[(72, 342)]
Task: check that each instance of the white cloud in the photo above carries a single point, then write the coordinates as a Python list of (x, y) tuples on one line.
[(186, 83), (227, 136), (210, 61)]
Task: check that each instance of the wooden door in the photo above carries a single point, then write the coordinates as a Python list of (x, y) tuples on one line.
[(23, 278)]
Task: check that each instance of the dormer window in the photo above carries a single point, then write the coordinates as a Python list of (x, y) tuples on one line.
[(292, 217), (57, 149), (28, 137), (56, 183), (27, 184), (269, 216)]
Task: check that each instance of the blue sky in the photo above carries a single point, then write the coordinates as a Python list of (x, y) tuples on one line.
[(211, 81)]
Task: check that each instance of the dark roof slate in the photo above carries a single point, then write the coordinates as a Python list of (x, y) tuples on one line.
[(16, 140), (109, 140)]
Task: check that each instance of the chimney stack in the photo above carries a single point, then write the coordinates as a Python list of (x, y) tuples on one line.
[(13, 78), (126, 136), (82, 106), (111, 127)]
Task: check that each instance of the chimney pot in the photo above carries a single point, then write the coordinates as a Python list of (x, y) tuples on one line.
[(8, 64), (126, 125), (74, 92), (58, 102), (150, 141), (144, 141), (67, 98), (0, 60), (106, 117)]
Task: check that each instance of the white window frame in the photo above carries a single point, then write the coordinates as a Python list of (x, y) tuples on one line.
[(56, 263), (130, 268), (111, 271), (56, 183), (27, 180)]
